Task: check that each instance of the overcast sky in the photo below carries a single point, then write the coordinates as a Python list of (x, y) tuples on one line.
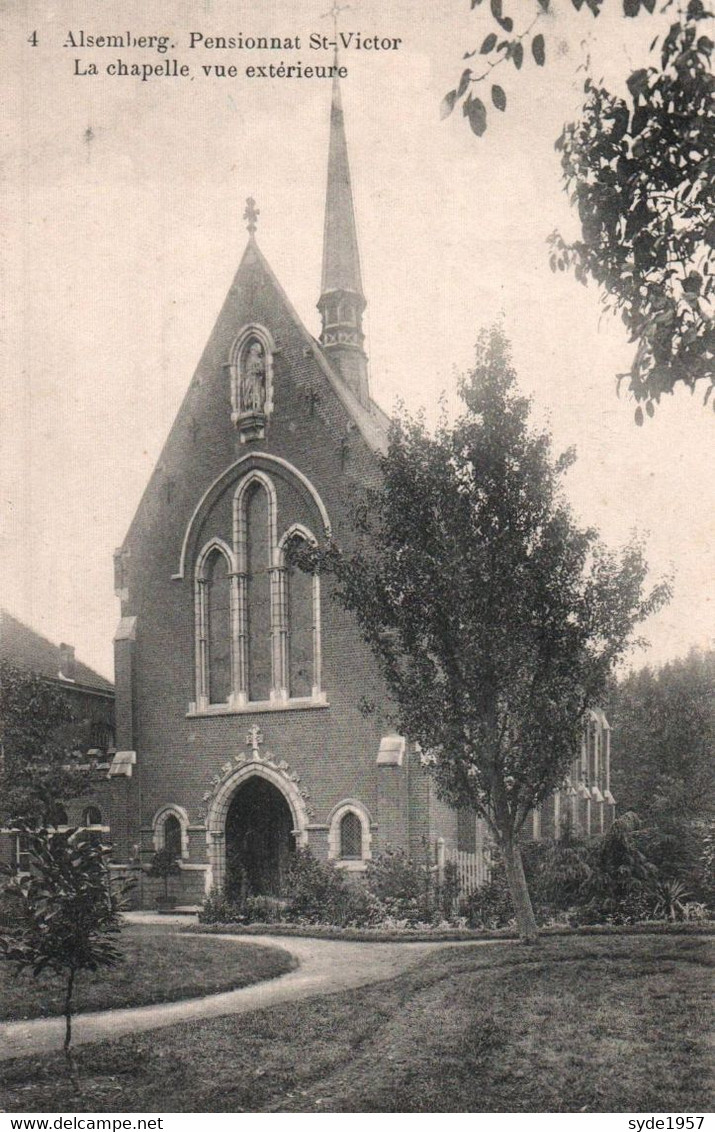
[(126, 202)]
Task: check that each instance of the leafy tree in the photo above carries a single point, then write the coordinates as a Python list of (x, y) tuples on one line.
[(663, 744), (494, 617), (164, 865), (38, 769), (67, 913), (640, 171)]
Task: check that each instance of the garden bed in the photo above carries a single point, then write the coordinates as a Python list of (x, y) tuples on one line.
[(443, 935)]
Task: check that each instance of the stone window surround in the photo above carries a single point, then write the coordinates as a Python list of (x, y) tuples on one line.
[(350, 805), (170, 809), (236, 559)]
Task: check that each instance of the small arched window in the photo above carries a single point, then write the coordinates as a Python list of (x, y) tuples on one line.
[(350, 837), (92, 816), (172, 835)]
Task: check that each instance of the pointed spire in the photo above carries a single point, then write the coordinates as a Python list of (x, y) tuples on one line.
[(341, 258), (342, 301)]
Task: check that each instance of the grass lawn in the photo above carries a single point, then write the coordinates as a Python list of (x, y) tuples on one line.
[(159, 965), (615, 1024)]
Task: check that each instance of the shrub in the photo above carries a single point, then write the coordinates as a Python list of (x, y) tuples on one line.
[(556, 872), (491, 905), (263, 910), (164, 865), (411, 890), (671, 897), (218, 909), (620, 886), (317, 890)]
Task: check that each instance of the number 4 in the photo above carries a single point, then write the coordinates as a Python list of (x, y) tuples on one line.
[(32, 40)]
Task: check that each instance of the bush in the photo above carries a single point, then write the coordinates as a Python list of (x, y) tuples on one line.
[(319, 894), (491, 905), (410, 890), (218, 909), (317, 889)]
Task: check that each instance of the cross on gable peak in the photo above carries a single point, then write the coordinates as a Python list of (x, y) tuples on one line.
[(335, 12), (251, 215)]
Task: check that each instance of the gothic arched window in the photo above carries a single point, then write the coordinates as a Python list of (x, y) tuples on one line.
[(172, 835), (350, 837), (92, 816), (258, 558), (257, 609), (218, 627), (302, 617), (215, 576)]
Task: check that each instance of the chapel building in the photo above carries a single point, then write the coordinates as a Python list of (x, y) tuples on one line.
[(242, 689)]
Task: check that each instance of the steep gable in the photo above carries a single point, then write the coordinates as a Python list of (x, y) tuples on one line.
[(316, 422)]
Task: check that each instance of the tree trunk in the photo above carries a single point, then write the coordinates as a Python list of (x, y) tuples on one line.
[(68, 1008), (71, 1065), (525, 919)]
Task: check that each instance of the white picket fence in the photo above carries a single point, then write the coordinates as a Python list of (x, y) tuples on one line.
[(472, 869)]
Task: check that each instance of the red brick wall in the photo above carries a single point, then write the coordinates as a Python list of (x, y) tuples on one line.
[(333, 749)]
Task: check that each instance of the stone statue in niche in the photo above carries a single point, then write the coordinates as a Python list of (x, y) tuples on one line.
[(253, 378)]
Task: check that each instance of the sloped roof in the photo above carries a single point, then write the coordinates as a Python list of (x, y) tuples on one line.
[(28, 649)]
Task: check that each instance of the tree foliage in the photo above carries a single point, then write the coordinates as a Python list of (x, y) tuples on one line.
[(641, 172), (663, 757), (164, 865), (68, 912), (38, 769), (494, 617)]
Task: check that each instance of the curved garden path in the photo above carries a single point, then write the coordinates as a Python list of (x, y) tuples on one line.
[(324, 967)]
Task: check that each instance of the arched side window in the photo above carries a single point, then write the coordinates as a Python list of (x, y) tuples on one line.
[(172, 835), (349, 836), (300, 616), (91, 815), (214, 604), (171, 830)]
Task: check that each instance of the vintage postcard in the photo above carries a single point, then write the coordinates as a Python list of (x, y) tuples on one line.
[(240, 239)]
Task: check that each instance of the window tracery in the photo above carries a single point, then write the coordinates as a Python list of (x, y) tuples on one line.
[(257, 612), (349, 836)]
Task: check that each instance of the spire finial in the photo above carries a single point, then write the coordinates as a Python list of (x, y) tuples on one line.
[(251, 215), (335, 12)]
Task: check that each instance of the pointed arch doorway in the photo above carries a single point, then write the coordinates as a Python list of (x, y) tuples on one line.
[(254, 811), (259, 840)]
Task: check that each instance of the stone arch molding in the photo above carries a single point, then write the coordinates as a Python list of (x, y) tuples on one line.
[(232, 775), (259, 461), (171, 810)]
